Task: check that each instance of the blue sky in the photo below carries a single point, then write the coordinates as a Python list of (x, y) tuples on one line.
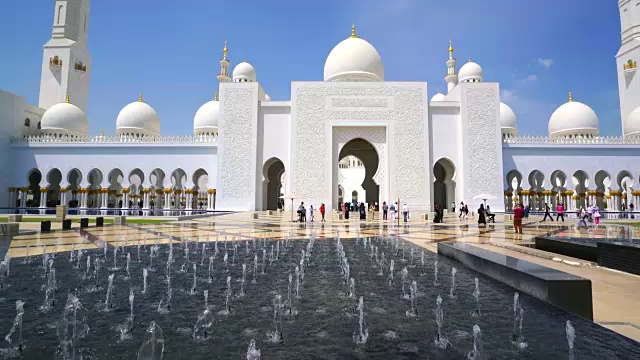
[(537, 50)]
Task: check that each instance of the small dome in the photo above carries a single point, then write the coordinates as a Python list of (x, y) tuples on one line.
[(508, 123), (439, 97), (470, 72), (207, 117), (573, 119), (267, 97), (244, 72), (138, 118), (65, 119), (632, 125), (354, 59)]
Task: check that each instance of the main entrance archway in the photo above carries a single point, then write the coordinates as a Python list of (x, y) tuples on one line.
[(272, 185), (444, 185), (366, 153)]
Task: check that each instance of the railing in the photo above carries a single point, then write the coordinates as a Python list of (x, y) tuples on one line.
[(50, 139), (597, 140)]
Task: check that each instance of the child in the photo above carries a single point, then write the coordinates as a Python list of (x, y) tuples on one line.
[(596, 216)]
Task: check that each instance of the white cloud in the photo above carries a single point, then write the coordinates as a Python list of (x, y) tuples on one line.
[(546, 63), (532, 77)]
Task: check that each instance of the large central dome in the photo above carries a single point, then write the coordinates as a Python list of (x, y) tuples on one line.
[(354, 59)]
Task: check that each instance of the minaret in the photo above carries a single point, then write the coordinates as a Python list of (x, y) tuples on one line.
[(66, 63), (452, 77), (627, 58), (224, 66)]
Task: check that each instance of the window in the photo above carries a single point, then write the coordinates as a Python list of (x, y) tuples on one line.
[(39, 126), (59, 13), (27, 122)]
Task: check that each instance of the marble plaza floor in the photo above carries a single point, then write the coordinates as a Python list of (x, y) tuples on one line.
[(616, 295)]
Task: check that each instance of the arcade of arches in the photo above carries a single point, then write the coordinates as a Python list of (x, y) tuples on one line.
[(610, 191), (115, 189)]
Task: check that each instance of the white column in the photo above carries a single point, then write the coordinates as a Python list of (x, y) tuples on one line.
[(145, 199), (43, 197), (167, 200), (12, 198), (189, 201), (23, 199)]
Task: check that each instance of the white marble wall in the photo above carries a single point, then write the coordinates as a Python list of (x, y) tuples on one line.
[(237, 146), (401, 108), (481, 144)]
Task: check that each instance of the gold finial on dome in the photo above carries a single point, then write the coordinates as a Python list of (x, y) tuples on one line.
[(225, 50), (353, 31), (68, 99), (570, 97), (140, 99), (438, 91), (469, 58), (215, 96), (245, 60), (450, 47), (102, 132)]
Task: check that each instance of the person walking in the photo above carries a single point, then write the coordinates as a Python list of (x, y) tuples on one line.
[(465, 211), (346, 211), (405, 212), (393, 211), (547, 212), (310, 213), (461, 210), (518, 214), (526, 211), (596, 216), (481, 215), (560, 212), (453, 207), (322, 210), (385, 210), (582, 218)]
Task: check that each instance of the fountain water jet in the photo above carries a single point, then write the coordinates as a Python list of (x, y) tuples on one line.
[(413, 288), (571, 337), (476, 352), (255, 267), (476, 295), (244, 273), (361, 336), (108, 306), (153, 346), (440, 341), (145, 273), (210, 269), (252, 352), (275, 336), (193, 287), (352, 288), (453, 283), (17, 324), (404, 274)]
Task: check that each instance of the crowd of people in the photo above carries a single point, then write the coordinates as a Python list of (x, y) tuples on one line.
[(393, 212)]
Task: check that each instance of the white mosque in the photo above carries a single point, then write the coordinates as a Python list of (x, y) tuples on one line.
[(247, 151)]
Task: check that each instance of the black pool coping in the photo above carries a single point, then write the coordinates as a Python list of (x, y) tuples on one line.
[(566, 291), (609, 253)]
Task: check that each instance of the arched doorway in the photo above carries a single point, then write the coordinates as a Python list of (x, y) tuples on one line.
[(273, 170), (444, 185), (367, 157)]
